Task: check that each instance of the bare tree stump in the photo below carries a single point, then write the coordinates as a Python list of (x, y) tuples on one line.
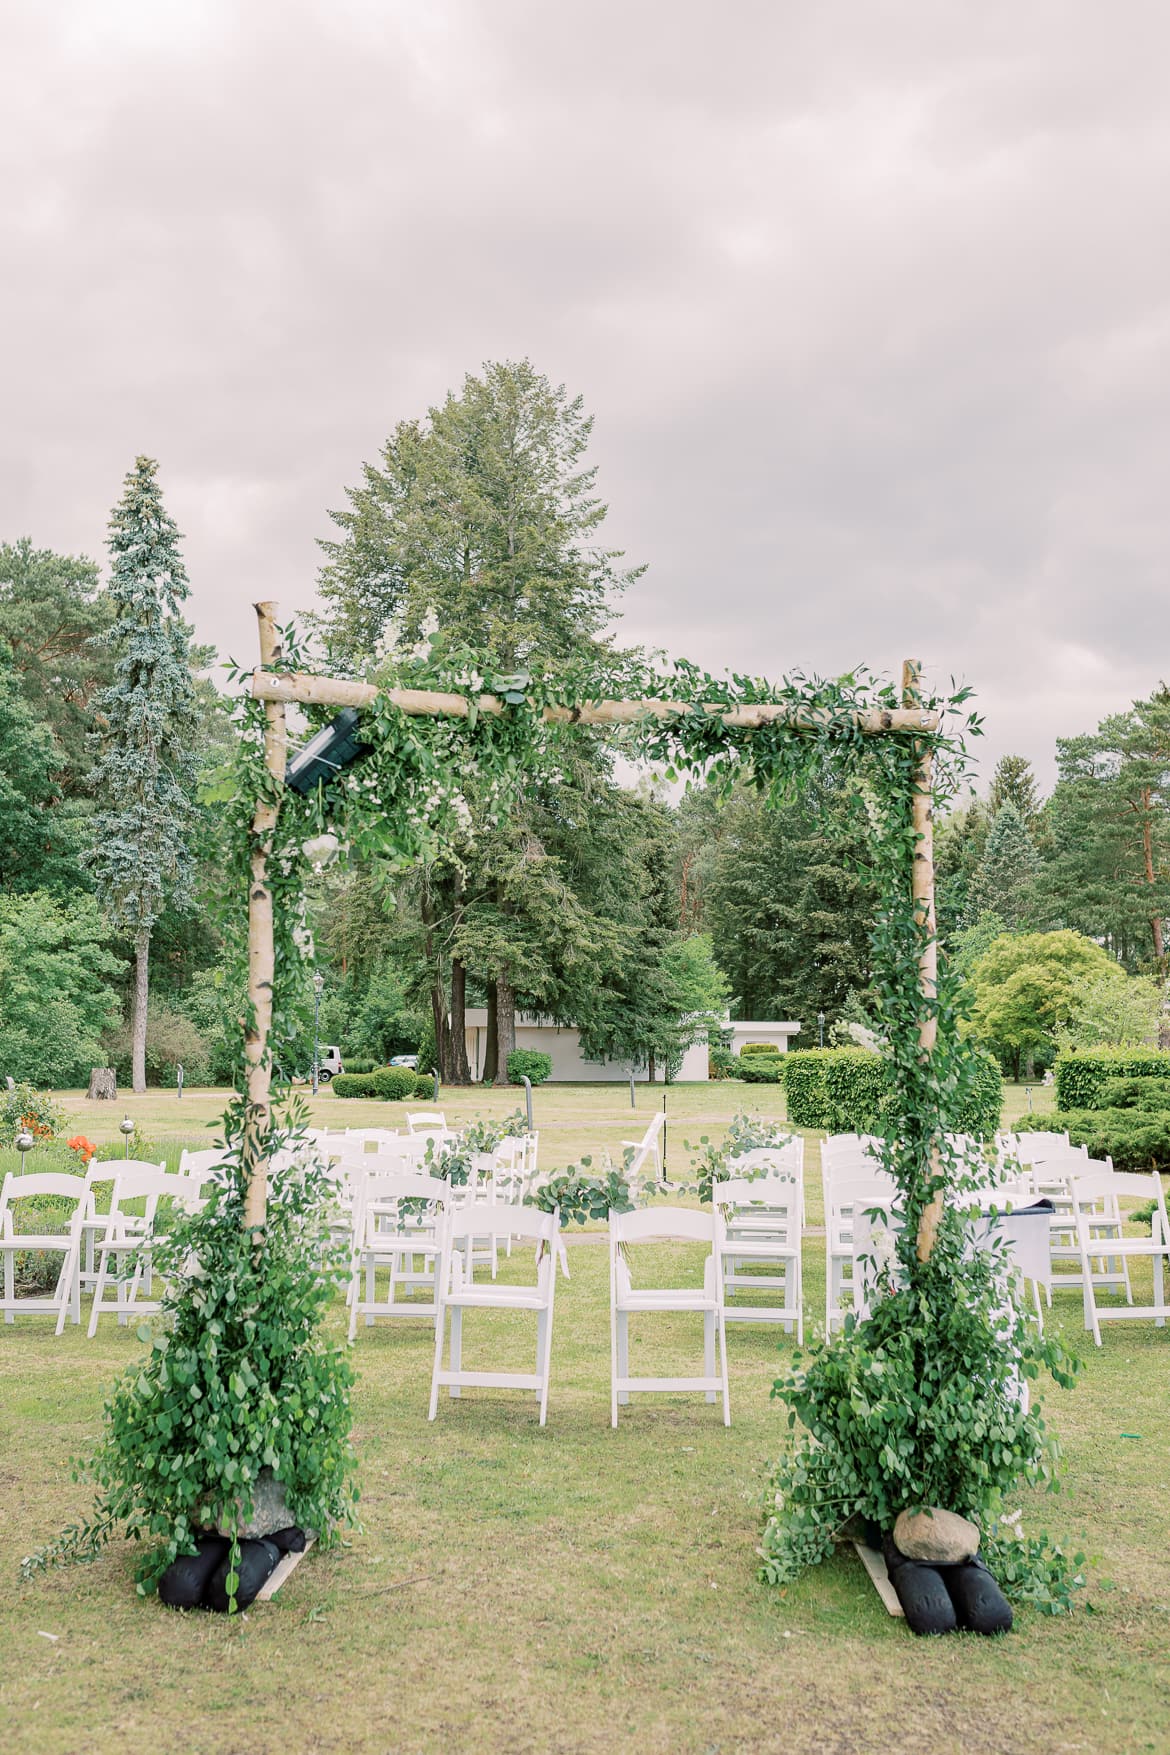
[(103, 1084)]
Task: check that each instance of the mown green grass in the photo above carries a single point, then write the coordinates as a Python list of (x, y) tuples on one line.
[(576, 1588)]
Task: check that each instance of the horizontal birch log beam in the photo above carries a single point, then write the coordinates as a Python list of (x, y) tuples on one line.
[(324, 691)]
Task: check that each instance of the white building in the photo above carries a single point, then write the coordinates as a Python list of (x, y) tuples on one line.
[(562, 1044), (753, 1030)]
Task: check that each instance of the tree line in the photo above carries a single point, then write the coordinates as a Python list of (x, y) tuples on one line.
[(593, 898)]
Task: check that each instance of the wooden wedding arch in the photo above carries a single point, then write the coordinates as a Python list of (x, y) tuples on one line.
[(278, 688)]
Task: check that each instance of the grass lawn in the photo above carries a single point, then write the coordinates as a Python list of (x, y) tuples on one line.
[(574, 1588)]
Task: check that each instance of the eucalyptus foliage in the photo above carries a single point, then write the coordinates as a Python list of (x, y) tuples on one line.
[(237, 1377)]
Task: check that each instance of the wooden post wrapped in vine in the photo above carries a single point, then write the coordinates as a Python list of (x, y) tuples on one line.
[(261, 940), (922, 890)]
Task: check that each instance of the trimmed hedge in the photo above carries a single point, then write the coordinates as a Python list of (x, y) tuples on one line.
[(839, 1089), (761, 1069), (1136, 1139), (528, 1063), (758, 1048), (847, 1090), (1134, 1094), (1082, 1073)]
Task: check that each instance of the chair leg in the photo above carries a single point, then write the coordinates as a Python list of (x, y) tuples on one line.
[(709, 1349), (623, 1349), (456, 1348), (99, 1290), (723, 1369), (438, 1365), (613, 1366), (546, 1322)]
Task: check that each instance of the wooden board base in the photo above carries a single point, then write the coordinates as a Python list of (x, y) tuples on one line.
[(876, 1567), (288, 1563)]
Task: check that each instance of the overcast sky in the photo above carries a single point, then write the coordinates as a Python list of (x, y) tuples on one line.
[(869, 300)]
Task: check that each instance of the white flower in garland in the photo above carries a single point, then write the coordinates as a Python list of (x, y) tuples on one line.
[(321, 850)]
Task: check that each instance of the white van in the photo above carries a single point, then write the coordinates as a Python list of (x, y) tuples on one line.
[(328, 1063)]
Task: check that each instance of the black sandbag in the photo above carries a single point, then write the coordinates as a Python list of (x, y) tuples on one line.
[(979, 1603), (258, 1561), (183, 1584), (925, 1600), (289, 1541)]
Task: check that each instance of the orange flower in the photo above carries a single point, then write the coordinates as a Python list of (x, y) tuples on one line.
[(84, 1148)]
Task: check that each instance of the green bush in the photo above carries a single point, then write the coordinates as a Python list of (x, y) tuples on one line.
[(760, 1070), (353, 1085), (528, 1063), (842, 1090), (758, 1048), (1134, 1094), (424, 1085), (1082, 1073), (1136, 1139), (394, 1084), (722, 1064), (25, 1107), (356, 1064), (847, 1090)]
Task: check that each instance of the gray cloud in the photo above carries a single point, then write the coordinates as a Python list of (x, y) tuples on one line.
[(870, 302)]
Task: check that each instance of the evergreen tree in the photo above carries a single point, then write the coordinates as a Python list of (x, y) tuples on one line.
[(1014, 783), (1005, 882), (1109, 818), (481, 522), (147, 728)]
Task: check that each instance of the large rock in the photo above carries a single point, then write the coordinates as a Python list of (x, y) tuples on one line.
[(941, 1538), (270, 1508)]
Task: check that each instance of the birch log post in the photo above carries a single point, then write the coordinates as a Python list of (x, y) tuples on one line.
[(261, 943), (922, 890)]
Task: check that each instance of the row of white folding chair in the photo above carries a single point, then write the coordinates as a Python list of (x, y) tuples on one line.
[(116, 1235), (1051, 1178)]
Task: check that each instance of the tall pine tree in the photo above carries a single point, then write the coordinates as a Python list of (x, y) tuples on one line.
[(1005, 881), (147, 723)]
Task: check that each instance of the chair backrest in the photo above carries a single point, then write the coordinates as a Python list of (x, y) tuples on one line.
[(383, 1189), (56, 1183), (426, 1121), (662, 1222), (775, 1197), (203, 1163), (768, 1161), (501, 1219), (1031, 1148), (1104, 1184)]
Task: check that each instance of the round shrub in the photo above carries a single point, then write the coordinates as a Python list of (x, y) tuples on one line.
[(394, 1084), (528, 1063), (424, 1085), (353, 1085)]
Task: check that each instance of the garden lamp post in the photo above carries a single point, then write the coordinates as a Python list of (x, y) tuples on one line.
[(126, 1128), (318, 984), (820, 1029), (24, 1143)]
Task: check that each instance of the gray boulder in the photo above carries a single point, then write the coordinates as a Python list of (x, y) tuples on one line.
[(940, 1538)]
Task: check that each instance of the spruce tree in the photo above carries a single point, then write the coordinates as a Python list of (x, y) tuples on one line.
[(1005, 881), (147, 723), (1014, 783)]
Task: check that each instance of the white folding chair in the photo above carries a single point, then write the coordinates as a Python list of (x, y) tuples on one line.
[(845, 1197), (762, 1228), (426, 1121), (1099, 1221), (646, 1150), (206, 1165), (458, 1292), (65, 1299), (661, 1223), (396, 1218), (128, 1240)]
